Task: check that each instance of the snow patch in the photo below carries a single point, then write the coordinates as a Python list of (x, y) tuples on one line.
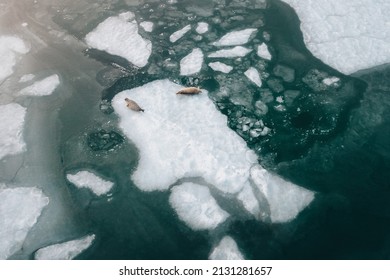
[(86, 179), (191, 63), (43, 87), (253, 75), (234, 38), (180, 33), (221, 67), (227, 249), (233, 52)]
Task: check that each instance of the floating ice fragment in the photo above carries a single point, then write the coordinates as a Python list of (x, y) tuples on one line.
[(253, 75), (192, 63), (221, 67), (86, 179), (180, 33), (196, 206), (117, 36), (26, 78), (234, 38), (147, 26), (65, 251), (42, 87), (263, 52), (330, 81), (233, 52), (202, 27), (227, 249)]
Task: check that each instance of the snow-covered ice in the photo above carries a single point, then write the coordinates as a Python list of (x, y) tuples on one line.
[(147, 26), (330, 81), (65, 251), (10, 48), (26, 78), (12, 118), (253, 75), (233, 52), (196, 206), (227, 249), (263, 52), (43, 87), (221, 67), (20, 209), (86, 179), (233, 38), (119, 36), (202, 27), (191, 63), (348, 35), (179, 33)]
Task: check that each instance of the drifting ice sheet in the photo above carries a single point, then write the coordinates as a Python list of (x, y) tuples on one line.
[(86, 179), (192, 63), (147, 26), (221, 67), (117, 36), (227, 249), (196, 207), (65, 251), (202, 27), (234, 38), (180, 33), (42, 87), (254, 76), (233, 52), (19, 211), (263, 52)]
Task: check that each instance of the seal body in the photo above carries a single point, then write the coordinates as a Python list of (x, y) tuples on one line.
[(189, 91), (131, 104)]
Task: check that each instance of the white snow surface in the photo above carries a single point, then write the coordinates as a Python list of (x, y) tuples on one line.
[(233, 38), (232, 52), (118, 36), (20, 209), (221, 67), (66, 250), (179, 33), (202, 27), (11, 47), (227, 249), (253, 75), (26, 78), (263, 52), (196, 206), (191, 63), (349, 35), (12, 118), (86, 179), (43, 87), (147, 26)]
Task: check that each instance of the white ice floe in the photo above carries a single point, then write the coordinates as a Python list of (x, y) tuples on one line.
[(202, 27), (191, 63), (12, 118), (348, 35), (119, 36), (181, 136), (331, 81), (11, 48), (43, 87), (65, 251), (263, 52), (180, 33), (285, 199), (250, 203), (147, 26), (20, 209), (233, 52), (253, 75), (86, 179), (221, 67), (26, 78), (234, 38), (196, 206), (227, 249)]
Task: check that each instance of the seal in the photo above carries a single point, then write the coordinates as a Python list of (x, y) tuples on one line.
[(131, 104), (189, 91)]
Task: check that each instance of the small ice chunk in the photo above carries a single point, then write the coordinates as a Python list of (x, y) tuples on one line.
[(12, 118), (196, 206), (279, 99), (147, 26), (43, 87), (263, 52), (227, 249), (180, 33), (86, 179), (234, 38), (233, 52), (117, 36), (24, 24), (20, 209), (253, 75), (202, 27), (330, 81), (192, 63), (221, 67), (26, 78), (65, 251)]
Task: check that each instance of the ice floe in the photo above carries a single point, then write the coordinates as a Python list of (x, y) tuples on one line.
[(221, 67), (43, 87), (12, 118), (65, 251), (191, 63), (331, 81), (119, 36), (202, 27), (196, 206), (86, 179), (26, 78), (227, 249), (263, 52), (10, 48), (20, 209), (254, 76), (348, 35), (180, 33), (147, 26), (233, 52), (234, 38)]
